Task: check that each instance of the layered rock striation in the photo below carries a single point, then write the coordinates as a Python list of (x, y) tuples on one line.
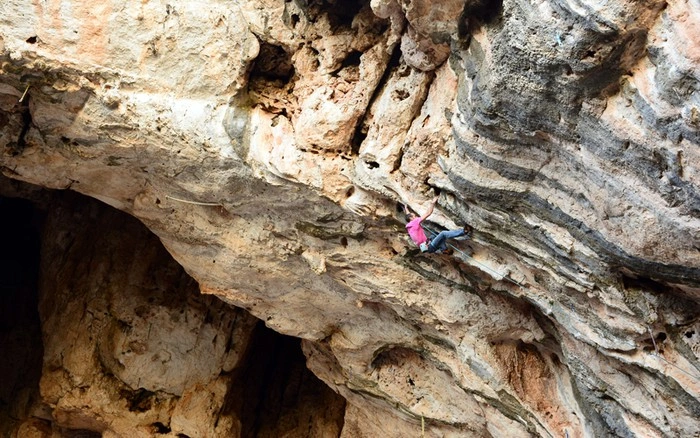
[(270, 145)]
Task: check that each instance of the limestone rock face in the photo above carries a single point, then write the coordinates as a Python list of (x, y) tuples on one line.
[(130, 348), (269, 144)]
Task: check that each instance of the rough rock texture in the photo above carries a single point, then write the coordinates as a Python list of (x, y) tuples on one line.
[(268, 145), (130, 348)]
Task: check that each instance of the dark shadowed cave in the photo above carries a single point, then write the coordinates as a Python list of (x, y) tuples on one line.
[(271, 392), (20, 329)]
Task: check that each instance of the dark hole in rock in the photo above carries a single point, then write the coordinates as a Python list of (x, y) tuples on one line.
[(273, 62), (353, 59), (482, 11), (32, 39), (160, 428), (139, 401), (80, 433), (20, 327), (359, 136), (341, 14), (400, 94), (555, 359), (277, 383)]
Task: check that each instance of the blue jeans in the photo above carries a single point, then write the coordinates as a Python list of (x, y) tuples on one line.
[(439, 242)]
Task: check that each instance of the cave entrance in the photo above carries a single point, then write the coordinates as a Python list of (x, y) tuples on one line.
[(20, 329), (284, 398), (270, 392)]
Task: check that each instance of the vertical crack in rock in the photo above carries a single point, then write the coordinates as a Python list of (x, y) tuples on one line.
[(362, 124), (26, 115)]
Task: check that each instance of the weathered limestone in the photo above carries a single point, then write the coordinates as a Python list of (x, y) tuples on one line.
[(267, 145), (130, 347)]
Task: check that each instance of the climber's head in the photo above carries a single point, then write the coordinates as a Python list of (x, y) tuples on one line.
[(410, 214)]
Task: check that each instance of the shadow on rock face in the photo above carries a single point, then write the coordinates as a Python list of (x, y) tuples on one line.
[(128, 337), (20, 331)]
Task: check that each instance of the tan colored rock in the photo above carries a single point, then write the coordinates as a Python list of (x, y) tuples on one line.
[(124, 336), (269, 151), (130, 347)]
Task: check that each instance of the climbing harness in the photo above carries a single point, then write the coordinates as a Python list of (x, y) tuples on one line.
[(498, 274)]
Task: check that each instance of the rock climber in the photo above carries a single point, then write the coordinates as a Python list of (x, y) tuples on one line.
[(438, 243)]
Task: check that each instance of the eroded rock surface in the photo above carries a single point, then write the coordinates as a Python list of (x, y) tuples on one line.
[(268, 145), (130, 348)]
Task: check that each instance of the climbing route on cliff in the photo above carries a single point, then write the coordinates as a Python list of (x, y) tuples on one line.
[(265, 150), (476, 262), (439, 241)]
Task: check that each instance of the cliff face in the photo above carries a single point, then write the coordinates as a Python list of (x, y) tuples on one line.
[(268, 145)]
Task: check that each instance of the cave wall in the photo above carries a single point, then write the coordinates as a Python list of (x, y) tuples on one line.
[(128, 344), (269, 144)]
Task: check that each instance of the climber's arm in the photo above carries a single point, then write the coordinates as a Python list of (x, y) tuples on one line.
[(430, 210)]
